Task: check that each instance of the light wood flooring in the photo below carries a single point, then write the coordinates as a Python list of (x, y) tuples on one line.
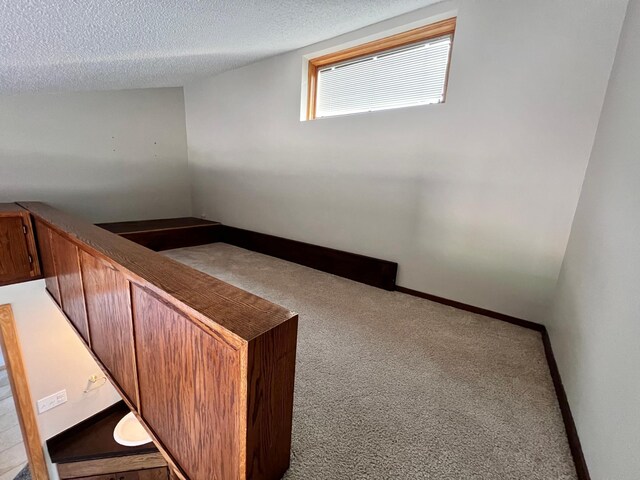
[(13, 456)]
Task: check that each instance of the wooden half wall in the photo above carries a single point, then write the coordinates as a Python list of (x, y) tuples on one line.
[(206, 367)]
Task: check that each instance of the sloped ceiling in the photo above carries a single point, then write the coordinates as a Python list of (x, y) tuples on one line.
[(65, 45)]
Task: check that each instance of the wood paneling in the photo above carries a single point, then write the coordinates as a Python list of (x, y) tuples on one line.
[(108, 301), (67, 265), (48, 265), (235, 315), (215, 364), (113, 465), (271, 374), (14, 255), (18, 251), (153, 474), (189, 389), (12, 353)]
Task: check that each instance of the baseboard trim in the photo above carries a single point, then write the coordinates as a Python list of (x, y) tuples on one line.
[(567, 418), (368, 270), (569, 424), (470, 308), (360, 268), (166, 234)]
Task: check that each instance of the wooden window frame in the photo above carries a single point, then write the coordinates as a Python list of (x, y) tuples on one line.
[(420, 34)]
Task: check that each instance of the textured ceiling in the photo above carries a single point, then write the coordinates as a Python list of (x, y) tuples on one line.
[(62, 45)]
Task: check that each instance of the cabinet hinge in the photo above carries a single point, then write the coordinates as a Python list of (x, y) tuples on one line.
[(30, 259), (24, 229)]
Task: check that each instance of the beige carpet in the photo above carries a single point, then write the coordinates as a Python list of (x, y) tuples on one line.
[(390, 386)]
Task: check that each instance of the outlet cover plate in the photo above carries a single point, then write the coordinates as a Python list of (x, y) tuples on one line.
[(47, 403)]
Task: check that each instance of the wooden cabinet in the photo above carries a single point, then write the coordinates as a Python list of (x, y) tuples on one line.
[(18, 254), (151, 474), (46, 258), (108, 301), (206, 367), (67, 263), (191, 412)]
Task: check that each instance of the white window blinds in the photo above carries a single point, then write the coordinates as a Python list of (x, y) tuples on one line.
[(403, 77)]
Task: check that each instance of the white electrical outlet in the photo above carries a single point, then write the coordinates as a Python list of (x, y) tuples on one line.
[(47, 403)]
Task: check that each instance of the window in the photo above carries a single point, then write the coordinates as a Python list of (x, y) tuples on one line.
[(403, 70)]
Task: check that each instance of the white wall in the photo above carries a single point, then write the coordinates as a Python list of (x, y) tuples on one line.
[(596, 318), (107, 156), (474, 198), (54, 359)]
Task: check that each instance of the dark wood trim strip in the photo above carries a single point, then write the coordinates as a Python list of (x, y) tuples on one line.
[(159, 240), (572, 432), (167, 234), (382, 274), (567, 418), (360, 268), (185, 232), (470, 308)]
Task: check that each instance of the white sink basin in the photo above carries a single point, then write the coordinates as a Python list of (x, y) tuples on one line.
[(130, 432)]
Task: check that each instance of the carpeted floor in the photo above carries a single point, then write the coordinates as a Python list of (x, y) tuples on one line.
[(390, 386), (25, 474)]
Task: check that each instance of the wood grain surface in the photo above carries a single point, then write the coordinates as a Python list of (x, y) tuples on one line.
[(271, 373), (151, 474), (14, 254), (111, 465), (67, 261), (18, 252), (214, 364), (43, 234), (19, 382), (108, 301), (234, 314), (189, 389)]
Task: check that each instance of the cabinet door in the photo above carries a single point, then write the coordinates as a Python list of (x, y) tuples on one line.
[(15, 261), (46, 256), (108, 302), (67, 264), (189, 389)]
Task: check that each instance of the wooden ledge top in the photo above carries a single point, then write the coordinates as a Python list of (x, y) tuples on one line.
[(238, 316), (138, 226), (10, 208)]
